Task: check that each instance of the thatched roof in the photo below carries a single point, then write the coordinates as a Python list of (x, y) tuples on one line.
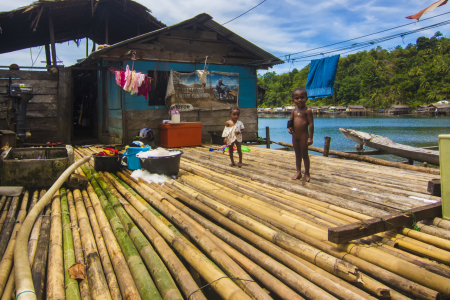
[(74, 19)]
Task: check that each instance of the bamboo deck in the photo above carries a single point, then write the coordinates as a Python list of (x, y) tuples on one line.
[(246, 233)]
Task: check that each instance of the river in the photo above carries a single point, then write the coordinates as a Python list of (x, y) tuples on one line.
[(410, 130)]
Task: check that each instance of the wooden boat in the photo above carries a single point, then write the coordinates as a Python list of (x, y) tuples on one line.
[(389, 147)]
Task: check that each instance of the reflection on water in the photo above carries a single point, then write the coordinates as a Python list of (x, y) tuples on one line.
[(415, 131)]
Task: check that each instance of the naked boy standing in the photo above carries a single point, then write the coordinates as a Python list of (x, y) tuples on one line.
[(301, 126)]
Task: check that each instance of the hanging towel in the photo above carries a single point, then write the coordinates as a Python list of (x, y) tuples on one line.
[(321, 77)]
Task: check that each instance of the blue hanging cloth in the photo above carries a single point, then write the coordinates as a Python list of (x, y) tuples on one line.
[(321, 77)]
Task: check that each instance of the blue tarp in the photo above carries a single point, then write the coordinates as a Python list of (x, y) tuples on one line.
[(321, 77)]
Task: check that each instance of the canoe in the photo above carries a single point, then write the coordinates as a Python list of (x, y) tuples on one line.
[(387, 145)]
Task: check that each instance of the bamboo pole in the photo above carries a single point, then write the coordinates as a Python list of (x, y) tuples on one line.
[(2, 202), (34, 237), (10, 220), (5, 212), (228, 265), (39, 268), (141, 276), (55, 277), (79, 256), (160, 274), (71, 285), (438, 222), (283, 273), (103, 251), (177, 269), (7, 260), (224, 286), (22, 269), (127, 285), (10, 285), (96, 280), (372, 160), (388, 277)]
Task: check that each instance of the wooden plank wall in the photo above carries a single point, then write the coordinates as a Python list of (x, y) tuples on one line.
[(48, 113), (212, 121)]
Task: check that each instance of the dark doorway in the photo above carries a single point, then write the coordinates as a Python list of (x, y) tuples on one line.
[(84, 116), (159, 87)]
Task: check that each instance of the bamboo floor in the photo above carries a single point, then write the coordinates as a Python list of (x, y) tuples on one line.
[(221, 232)]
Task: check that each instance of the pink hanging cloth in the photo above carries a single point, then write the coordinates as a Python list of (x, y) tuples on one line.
[(145, 88)]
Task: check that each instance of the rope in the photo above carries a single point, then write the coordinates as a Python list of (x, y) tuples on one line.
[(234, 278), (28, 291)]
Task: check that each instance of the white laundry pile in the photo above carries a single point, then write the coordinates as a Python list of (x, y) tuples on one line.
[(159, 152), (149, 177)]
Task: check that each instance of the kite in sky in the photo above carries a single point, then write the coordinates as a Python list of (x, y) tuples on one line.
[(428, 9)]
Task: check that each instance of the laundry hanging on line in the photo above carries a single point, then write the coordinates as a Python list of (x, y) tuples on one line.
[(133, 82), (321, 77)]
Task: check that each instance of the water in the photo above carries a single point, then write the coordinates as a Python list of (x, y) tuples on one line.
[(410, 130)]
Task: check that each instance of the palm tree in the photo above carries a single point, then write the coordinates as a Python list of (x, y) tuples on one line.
[(424, 84), (414, 72), (433, 94), (377, 96)]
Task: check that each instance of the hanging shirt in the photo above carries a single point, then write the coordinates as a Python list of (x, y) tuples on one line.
[(130, 86), (122, 78), (145, 87), (134, 87), (127, 78), (118, 77)]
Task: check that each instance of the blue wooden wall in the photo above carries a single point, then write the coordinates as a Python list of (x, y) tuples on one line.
[(247, 83)]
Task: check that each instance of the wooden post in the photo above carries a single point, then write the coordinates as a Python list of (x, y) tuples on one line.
[(87, 47), (106, 27), (326, 148), (268, 137), (52, 39), (47, 55)]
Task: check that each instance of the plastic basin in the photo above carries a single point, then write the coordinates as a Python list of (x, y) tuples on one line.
[(166, 165), (107, 163), (133, 162)]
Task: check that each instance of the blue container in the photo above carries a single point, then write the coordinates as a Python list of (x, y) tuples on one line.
[(133, 162)]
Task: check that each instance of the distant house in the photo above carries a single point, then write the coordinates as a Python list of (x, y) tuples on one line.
[(324, 108), (441, 109), (424, 108), (267, 109), (277, 109), (399, 109), (288, 108), (315, 109), (260, 109), (356, 108), (340, 108)]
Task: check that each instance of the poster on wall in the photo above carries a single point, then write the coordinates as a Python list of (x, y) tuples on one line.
[(203, 90)]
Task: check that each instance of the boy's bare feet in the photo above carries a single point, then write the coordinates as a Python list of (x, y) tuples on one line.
[(297, 176), (239, 165), (232, 164), (306, 178)]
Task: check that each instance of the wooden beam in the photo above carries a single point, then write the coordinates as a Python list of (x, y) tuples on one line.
[(106, 27), (434, 187), (350, 232), (47, 55), (52, 39)]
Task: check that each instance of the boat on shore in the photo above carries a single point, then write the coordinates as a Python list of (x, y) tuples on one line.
[(386, 145)]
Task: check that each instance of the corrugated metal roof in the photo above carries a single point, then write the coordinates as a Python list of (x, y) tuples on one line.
[(204, 20), (441, 105), (356, 106)]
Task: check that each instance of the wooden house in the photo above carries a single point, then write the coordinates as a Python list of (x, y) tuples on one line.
[(399, 109), (191, 45), (441, 109), (358, 108), (53, 112)]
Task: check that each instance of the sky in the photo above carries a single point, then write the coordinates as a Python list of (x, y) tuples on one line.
[(280, 27)]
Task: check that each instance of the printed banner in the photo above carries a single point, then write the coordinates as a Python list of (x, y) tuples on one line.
[(203, 90)]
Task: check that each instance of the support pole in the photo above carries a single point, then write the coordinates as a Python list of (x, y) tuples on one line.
[(87, 47), (52, 39), (268, 137), (47, 55), (326, 148), (106, 27)]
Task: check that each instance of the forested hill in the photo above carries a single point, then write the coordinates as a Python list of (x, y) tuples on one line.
[(414, 75)]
